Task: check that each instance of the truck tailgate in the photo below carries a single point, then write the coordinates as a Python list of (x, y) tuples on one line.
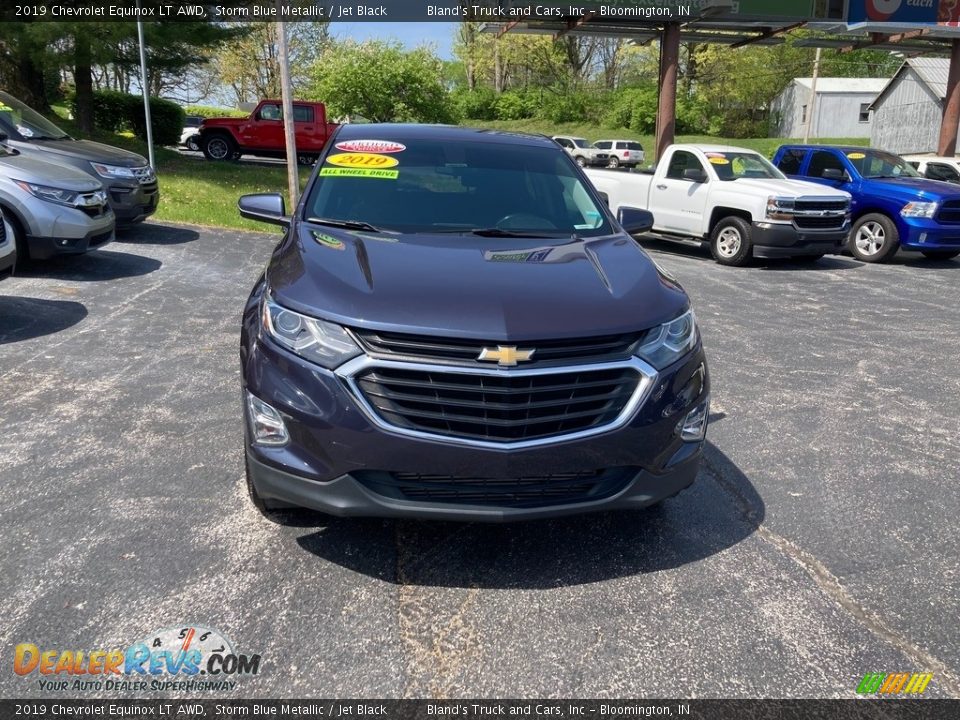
[(622, 188)]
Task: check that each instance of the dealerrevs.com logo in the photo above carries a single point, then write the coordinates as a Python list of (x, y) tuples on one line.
[(189, 658)]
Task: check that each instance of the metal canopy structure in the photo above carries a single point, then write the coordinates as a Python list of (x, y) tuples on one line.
[(720, 22)]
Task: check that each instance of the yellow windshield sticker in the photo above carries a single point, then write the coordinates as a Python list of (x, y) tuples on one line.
[(719, 161), (856, 156), (359, 172), (364, 160)]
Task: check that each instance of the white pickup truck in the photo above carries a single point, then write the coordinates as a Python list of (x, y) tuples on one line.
[(735, 200)]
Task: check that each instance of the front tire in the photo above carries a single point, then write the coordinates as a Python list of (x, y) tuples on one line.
[(581, 160), (19, 238), (218, 147), (731, 241), (874, 239), (940, 254)]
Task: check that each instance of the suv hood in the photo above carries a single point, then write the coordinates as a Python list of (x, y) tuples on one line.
[(89, 150), (909, 189), (31, 170), (787, 188), (473, 287)]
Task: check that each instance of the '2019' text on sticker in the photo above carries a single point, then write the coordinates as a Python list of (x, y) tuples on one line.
[(362, 160), (374, 146), (359, 172)]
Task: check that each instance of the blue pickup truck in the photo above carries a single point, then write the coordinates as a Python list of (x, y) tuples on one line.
[(893, 206)]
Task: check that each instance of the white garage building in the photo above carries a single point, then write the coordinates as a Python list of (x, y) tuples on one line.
[(841, 110)]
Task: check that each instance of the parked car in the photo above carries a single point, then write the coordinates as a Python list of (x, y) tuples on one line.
[(626, 153), (892, 206), (262, 133), (414, 349), (8, 248), (932, 167), (581, 151), (190, 137), (130, 183), (734, 200), (52, 209)]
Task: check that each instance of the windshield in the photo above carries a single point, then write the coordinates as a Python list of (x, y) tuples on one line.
[(580, 142), (453, 186), (879, 164), (737, 165), (16, 119)]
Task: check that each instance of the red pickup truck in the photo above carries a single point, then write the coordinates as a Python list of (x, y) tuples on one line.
[(262, 133)]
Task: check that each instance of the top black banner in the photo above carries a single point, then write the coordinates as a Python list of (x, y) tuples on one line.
[(629, 11)]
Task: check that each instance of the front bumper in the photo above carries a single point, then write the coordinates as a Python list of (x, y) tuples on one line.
[(778, 240), (132, 201), (336, 449), (928, 234), (71, 232)]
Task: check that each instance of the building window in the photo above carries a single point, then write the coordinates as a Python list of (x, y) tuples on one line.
[(803, 113), (864, 112)]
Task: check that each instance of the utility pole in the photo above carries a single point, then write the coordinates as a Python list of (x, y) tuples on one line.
[(145, 91), (812, 105), (293, 174)]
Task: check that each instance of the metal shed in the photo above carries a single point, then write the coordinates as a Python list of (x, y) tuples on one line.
[(841, 108), (908, 111)]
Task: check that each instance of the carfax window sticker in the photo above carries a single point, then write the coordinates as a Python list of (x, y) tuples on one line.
[(370, 146)]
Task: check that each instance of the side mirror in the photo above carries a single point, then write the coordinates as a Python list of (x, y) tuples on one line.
[(695, 175), (834, 174), (604, 197), (264, 207), (634, 220)]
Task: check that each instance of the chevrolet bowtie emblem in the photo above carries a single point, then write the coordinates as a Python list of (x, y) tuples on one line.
[(506, 355)]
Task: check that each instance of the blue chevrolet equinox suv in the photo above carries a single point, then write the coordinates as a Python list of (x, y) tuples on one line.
[(455, 326)]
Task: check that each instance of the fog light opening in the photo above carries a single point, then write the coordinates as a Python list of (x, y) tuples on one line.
[(693, 428), (266, 425)]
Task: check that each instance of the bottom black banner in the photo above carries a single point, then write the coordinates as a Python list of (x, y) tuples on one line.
[(888, 709)]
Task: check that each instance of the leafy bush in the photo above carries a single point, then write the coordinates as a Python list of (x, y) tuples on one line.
[(479, 104), (207, 111), (119, 111), (561, 106), (516, 105)]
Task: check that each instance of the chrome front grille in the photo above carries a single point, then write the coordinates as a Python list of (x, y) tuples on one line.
[(456, 350), (498, 407), (144, 175)]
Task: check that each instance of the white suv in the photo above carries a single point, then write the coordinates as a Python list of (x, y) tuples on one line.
[(621, 153)]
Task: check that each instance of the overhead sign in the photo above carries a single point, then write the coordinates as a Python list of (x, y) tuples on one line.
[(919, 12)]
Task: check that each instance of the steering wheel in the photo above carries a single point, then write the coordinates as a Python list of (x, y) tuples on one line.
[(524, 221)]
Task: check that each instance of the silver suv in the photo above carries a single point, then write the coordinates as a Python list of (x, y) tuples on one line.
[(51, 209), (621, 153), (580, 150)]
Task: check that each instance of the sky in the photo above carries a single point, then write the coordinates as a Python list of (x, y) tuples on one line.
[(411, 34)]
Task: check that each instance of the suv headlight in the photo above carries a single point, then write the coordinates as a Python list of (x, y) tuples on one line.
[(668, 343), (780, 208), (115, 171), (920, 209), (318, 341), (50, 194)]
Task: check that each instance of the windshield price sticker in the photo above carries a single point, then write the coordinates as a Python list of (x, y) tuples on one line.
[(359, 172), (719, 160), (370, 146), (856, 156), (363, 160)]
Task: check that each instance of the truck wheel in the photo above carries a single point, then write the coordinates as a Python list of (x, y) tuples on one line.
[(306, 160), (940, 254), (581, 160), (613, 163), (874, 238), (730, 241), (218, 147)]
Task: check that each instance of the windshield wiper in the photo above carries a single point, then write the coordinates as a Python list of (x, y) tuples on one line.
[(345, 224), (500, 232)]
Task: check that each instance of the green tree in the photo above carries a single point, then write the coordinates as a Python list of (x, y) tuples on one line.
[(382, 82)]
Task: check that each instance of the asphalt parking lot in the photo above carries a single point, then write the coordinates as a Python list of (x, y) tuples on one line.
[(819, 542)]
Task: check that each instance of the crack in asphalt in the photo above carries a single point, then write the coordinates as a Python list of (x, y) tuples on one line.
[(831, 586)]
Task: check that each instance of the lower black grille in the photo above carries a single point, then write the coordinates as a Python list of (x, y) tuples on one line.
[(527, 491), (949, 212), (100, 239), (820, 223), (498, 408)]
